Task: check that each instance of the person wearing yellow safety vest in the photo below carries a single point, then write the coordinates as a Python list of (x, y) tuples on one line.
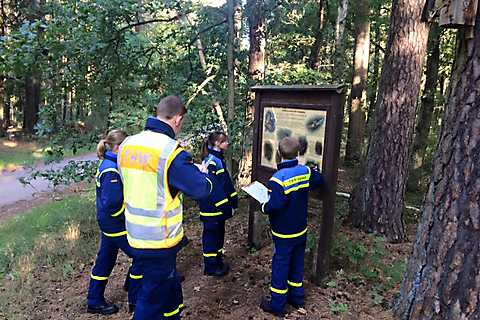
[(111, 220), (156, 171), (287, 211)]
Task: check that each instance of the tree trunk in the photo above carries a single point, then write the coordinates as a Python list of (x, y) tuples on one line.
[(32, 82), (376, 60), (32, 102), (357, 110), (314, 60), (339, 63), (443, 275), (424, 122), (234, 25), (256, 72), (377, 203)]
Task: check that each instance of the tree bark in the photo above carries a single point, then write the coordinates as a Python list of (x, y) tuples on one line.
[(378, 199), (422, 128), (32, 102), (256, 72), (339, 63), (32, 82), (443, 275), (358, 99), (314, 60), (376, 61), (234, 26)]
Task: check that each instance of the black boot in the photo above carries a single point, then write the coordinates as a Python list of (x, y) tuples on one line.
[(296, 305), (104, 308), (220, 271), (266, 305)]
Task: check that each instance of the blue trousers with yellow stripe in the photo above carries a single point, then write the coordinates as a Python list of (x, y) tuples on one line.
[(287, 272), (160, 296), (213, 239), (106, 258)]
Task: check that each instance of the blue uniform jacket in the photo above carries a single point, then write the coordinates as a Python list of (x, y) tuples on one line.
[(218, 206), (183, 176), (110, 205), (288, 199)]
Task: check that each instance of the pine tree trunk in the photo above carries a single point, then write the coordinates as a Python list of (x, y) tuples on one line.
[(339, 63), (234, 24), (314, 60), (378, 199), (357, 110), (256, 73), (32, 102), (443, 275), (425, 115), (376, 60)]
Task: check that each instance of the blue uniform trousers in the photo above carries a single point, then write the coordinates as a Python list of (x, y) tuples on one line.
[(287, 272), (106, 258), (160, 296), (213, 238)]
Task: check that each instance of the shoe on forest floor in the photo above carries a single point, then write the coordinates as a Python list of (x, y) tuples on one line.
[(296, 305), (220, 271), (104, 308), (266, 305)]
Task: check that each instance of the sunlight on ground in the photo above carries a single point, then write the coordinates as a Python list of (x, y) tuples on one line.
[(10, 144), (38, 153)]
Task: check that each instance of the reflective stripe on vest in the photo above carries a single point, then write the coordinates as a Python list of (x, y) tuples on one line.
[(152, 216), (99, 174)]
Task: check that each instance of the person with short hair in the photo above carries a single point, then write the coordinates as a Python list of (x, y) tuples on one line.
[(218, 207), (287, 212), (111, 220), (156, 171)]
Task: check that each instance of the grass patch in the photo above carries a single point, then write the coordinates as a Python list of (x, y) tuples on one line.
[(21, 234), (55, 236)]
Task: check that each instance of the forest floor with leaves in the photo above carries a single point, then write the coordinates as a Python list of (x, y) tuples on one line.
[(365, 275)]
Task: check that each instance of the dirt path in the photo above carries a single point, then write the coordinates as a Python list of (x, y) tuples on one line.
[(15, 196)]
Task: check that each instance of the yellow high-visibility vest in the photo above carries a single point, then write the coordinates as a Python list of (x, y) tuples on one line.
[(153, 216)]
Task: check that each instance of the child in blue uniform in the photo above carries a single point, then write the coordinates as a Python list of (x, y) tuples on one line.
[(111, 220), (287, 212), (218, 207)]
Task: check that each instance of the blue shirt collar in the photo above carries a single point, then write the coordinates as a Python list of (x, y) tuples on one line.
[(110, 155), (156, 125), (218, 154), (287, 164)]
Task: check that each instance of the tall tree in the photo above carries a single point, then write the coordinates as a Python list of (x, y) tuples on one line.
[(378, 200), (256, 73), (443, 275), (358, 101), (425, 114), (339, 62), (314, 60), (32, 79), (234, 25)]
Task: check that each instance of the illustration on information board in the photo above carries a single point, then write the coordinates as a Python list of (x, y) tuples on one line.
[(307, 125)]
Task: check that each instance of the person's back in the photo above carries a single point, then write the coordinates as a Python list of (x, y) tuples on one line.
[(289, 213), (109, 196), (155, 173)]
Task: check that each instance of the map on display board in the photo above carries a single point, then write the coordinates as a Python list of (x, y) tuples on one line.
[(308, 126)]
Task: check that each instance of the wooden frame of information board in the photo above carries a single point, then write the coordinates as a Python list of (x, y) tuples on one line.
[(322, 106)]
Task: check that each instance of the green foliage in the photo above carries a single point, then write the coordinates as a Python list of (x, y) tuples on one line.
[(74, 171), (338, 307), (367, 262)]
